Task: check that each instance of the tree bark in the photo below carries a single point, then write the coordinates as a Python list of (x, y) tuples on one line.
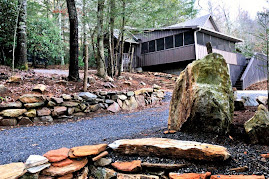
[(122, 38), (86, 58), (111, 59), (21, 51), (101, 70), (73, 62)]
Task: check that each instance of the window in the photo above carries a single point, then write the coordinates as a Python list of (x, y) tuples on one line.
[(188, 38), (152, 46), (145, 47), (200, 38), (169, 42), (160, 44), (178, 40)]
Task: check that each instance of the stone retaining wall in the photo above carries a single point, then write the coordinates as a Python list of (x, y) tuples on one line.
[(37, 108)]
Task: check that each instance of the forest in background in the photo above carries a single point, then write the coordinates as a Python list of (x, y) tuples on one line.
[(48, 25)]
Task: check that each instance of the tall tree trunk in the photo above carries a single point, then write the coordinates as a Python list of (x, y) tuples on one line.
[(101, 70), (21, 51), (73, 62), (111, 59), (86, 58), (122, 38)]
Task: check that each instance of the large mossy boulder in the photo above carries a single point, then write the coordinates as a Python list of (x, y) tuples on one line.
[(203, 97), (257, 127)]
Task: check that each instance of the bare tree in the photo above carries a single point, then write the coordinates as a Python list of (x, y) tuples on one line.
[(73, 62), (21, 51)]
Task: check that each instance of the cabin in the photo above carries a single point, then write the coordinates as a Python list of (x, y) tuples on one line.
[(170, 49)]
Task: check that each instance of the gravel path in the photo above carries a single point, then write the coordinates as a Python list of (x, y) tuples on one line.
[(17, 144)]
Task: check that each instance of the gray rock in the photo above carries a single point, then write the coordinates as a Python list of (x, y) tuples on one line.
[(114, 107), (102, 162), (46, 119), (43, 112), (109, 101), (102, 173), (130, 104), (130, 93), (66, 97), (13, 112), (3, 89), (122, 97), (9, 105), (114, 97), (70, 111), (51, 104), (103, 93), (87, 96), (34, 105), (257, 127), (35, 160), (30, 113), (25, 121), (91, 80), (98, 100), (8, 122), (262, 100), (38, 168), (156, 87), (57, 100), (70, 104)]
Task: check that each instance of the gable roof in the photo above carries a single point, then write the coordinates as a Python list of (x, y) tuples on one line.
[(200, 21)]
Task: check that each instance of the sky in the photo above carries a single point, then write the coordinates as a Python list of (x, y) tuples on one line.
[(252, 6)]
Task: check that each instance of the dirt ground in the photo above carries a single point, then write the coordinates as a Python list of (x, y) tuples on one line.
[(57, 84), (258, 86)]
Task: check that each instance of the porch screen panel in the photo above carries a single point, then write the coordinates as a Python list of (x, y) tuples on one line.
[(200, 38), (232, 46), (178, 40), (160, 44), (214, 42), (145, 47), (169, 42), (206, 38), (188, 38), (152, 46)]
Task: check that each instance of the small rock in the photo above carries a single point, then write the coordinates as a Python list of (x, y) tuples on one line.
[(57, 155), (156, 87), (130, 93), (66, 97), (8, 122), (13, 112), (88, 150), (39, 168), (87, 96), (59, 110), (108, 78), (3, 89), (15, 79), (25, 121), (237, 177), (119, 103), (84, 173), (70, 111), (114, 107), (137, 176), (43, 112), (103, 93), (10, 104), (35, 160), (93, 108), (109, 85), (239, 104), (79, 114), (31, 113), (127, 83), (103, 162), (143, 90), (12, 170), (32, 98), (70, 104), (109, 101), (60, 171), (102, 173), (34, 105), (51, 104), (189, 175), (130, 104), (91, 80), (130, 78), (142, 83), (57, 100), (239, 169), (82, 106), (139, 70), (262, 100), (62, 163), (164, 166), (133, 166), (39, 88), (140, 100)]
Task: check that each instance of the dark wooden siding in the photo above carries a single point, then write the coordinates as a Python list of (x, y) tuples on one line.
[(167, 56)]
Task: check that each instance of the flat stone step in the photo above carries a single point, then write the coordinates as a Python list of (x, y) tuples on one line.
[(171, 148)]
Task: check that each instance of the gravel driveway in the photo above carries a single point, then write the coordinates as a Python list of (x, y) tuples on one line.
[(17, 144)]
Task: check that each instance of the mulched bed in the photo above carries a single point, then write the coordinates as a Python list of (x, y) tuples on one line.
[(258, 86)]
